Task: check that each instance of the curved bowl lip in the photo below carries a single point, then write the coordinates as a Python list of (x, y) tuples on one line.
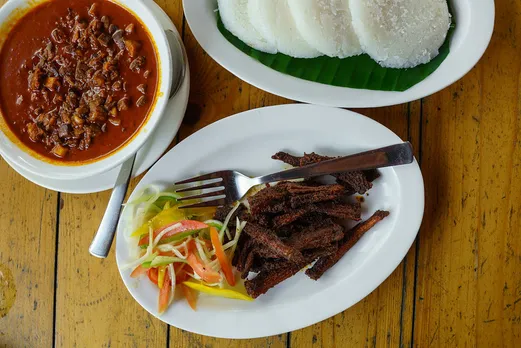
[(475, 25), (25, 158)]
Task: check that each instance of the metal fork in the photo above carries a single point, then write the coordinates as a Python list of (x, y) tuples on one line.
[(228, 186)]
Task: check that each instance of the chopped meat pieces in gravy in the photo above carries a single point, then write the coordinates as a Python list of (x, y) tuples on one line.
[(142, 88), (141, 101), (137, 63), (81, 74)]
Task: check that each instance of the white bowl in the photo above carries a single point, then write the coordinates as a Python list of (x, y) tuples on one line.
[(474, 26), (17, 153)]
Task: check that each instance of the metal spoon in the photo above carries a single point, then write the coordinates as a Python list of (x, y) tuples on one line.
[(102, 241)]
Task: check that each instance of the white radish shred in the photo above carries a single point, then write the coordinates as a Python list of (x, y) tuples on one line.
[(225, 246), (168, 247), (228, 234), (206, 251), (229, 244), (165, 231), (195, 276), (171, 271), (143, 258), (240, 227), (201, 252), (129, 227), (227, 221), (220, 224), (215, 265)]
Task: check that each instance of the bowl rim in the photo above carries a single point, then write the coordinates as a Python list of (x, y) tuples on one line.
[(17, 152)]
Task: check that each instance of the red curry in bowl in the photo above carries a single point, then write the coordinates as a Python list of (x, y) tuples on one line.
[(78, 78)]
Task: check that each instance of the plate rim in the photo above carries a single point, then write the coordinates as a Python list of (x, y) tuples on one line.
[(413, 223), (481, 26)]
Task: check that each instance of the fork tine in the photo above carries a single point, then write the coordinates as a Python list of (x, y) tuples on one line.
[(206, 204), (203, 195), (202, 187), (200, 178)]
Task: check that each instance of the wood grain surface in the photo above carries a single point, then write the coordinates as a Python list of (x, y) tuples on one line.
[(459, 285)]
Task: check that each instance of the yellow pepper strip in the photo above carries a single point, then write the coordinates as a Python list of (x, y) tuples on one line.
[(164, 218), (161, 276), (227, 293)]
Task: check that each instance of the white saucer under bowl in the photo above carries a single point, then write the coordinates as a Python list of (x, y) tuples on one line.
[(147, 155)]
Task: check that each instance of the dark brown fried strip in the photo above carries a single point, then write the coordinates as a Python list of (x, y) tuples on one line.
[(287, 158), (243, 249), (266, 280), (265, 253), (334, 192), (314, 254), (270, 240), (248, 264), (266, 199), (267, 265), (274, 272), (355, 182), (338, 210), (317, 236), (352, 237)]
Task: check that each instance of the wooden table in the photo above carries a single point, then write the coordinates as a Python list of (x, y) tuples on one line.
[(459, 285)]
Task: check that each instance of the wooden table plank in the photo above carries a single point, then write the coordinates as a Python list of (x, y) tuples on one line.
[(470, 244), (384, 318), (92, 304), (214, 94), (411, 260), (27, 255)]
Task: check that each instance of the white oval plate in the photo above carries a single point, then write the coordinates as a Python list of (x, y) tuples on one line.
[(475, 23), (148, 154), (245, 142)]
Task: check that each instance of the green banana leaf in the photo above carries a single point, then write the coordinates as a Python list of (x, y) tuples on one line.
[(355, 72)]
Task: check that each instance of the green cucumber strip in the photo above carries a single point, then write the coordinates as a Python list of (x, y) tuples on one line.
[(148, 260), (165, 260), (176, 237)]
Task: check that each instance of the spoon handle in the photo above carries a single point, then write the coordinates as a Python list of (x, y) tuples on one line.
[(102, 241)]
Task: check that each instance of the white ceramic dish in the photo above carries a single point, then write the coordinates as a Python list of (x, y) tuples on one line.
[(147, 155), (475, 23), (23, 159), (251, 138)]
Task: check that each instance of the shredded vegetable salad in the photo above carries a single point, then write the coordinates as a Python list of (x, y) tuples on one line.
[(182, 249)]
